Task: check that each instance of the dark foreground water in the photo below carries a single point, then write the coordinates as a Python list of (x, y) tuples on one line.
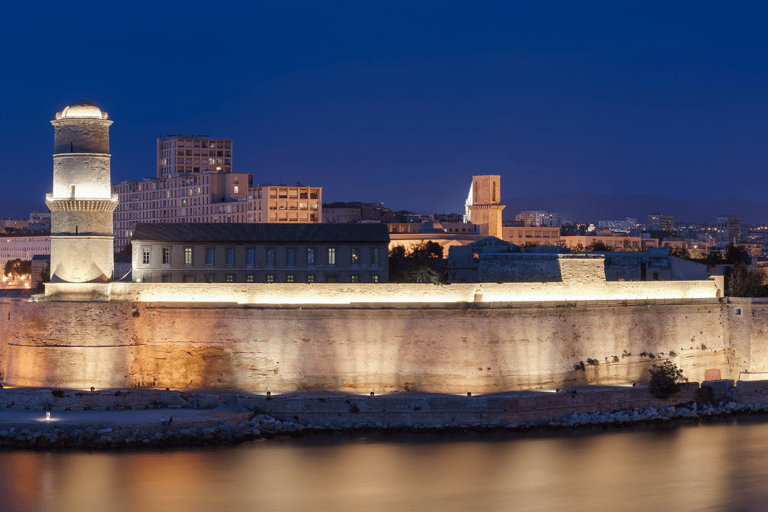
[(721, 466)]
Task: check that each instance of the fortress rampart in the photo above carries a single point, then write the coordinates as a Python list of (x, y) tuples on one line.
[(448, 339)]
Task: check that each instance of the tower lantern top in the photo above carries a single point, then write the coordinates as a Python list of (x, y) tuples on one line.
[(81, 109)]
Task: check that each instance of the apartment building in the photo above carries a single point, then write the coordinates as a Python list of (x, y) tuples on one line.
[(192, 154), (728, 230), (23, 245), (539, 219), (284, 204), (519, 234), (340, 212), (211, 197)]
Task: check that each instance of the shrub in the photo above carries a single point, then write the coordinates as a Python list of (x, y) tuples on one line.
[(666, 378)]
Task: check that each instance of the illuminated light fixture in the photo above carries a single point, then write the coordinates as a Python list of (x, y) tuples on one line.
[(371, 393), (47, 415)]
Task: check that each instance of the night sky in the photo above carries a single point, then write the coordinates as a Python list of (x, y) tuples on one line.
[(403, 102)]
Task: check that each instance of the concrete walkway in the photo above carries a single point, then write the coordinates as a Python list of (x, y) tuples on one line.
[(119, 420)]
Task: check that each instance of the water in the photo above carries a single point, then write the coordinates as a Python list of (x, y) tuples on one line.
[(721, 466)]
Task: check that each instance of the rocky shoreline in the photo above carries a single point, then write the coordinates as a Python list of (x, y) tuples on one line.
[(265, 427)]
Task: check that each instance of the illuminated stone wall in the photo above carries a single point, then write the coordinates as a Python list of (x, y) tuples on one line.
[(577, 285), (88, 173), (452, 348)]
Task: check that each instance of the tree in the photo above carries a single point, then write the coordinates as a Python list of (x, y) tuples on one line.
[(17, 267), (741, 281), (416, 265), (666, 378), (599, 246)]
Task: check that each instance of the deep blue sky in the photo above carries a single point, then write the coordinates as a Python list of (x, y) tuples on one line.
[(403, 102)]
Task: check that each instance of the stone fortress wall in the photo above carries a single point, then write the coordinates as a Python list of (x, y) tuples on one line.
[(476, 346)]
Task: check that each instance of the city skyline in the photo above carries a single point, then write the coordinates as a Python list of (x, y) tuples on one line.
[(401, 104)]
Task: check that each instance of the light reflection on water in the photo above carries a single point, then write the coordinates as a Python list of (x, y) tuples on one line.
[(708, 467)]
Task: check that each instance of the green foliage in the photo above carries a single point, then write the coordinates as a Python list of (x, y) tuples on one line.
[(741, 281), (416, 266), (666, 378), (599, 246), (17, 267)]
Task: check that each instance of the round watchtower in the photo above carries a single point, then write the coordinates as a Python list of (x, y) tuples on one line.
[(82, 202)]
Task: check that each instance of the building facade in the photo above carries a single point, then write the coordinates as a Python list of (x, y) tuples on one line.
[(340, 212), (661, 222), (284, 204), (539, 219), (192, 154), (728, 230), (24, 245), (519, 234), (260, 253), (211, 197)]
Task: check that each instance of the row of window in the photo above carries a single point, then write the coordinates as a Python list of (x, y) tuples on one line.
[(290, 255), (269, 278)]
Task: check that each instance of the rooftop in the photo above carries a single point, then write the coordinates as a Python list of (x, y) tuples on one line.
[(217, 232)]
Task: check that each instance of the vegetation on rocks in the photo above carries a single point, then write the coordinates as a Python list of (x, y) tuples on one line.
[(665, 380)]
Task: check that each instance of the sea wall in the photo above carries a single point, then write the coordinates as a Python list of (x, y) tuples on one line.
[(473, 347)]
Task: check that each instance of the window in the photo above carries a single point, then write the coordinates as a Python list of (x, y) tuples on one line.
[(187, 255), (355, 278), (229, 278), (270, 278), (145, 255), (331, 255), (374, 256), (249, 257), (290, 257), (230, 256), (374, 278), (270, 258), (166, 278), (208, 278), (310, 278), (166, 255), (209, 257), (355, 256), (310, 256), (235, 189), (249, 278), (290, 278)]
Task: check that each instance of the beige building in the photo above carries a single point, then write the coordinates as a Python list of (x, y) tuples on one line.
[(192, 154), (268, 203), (632, 243), (483, 205), (23, 246), (340, 212), (260, 253), (521, 235), (211, 197)]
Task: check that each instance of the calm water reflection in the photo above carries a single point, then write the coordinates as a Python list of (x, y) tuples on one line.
[(710, 467)]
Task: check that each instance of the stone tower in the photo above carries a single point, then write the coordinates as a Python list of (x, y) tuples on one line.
[(483, 206), (82, 201)]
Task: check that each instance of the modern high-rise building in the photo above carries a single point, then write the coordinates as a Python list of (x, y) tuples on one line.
[(661, 222), (210, 197), (728, 230), (539, 219), (192, 154)]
